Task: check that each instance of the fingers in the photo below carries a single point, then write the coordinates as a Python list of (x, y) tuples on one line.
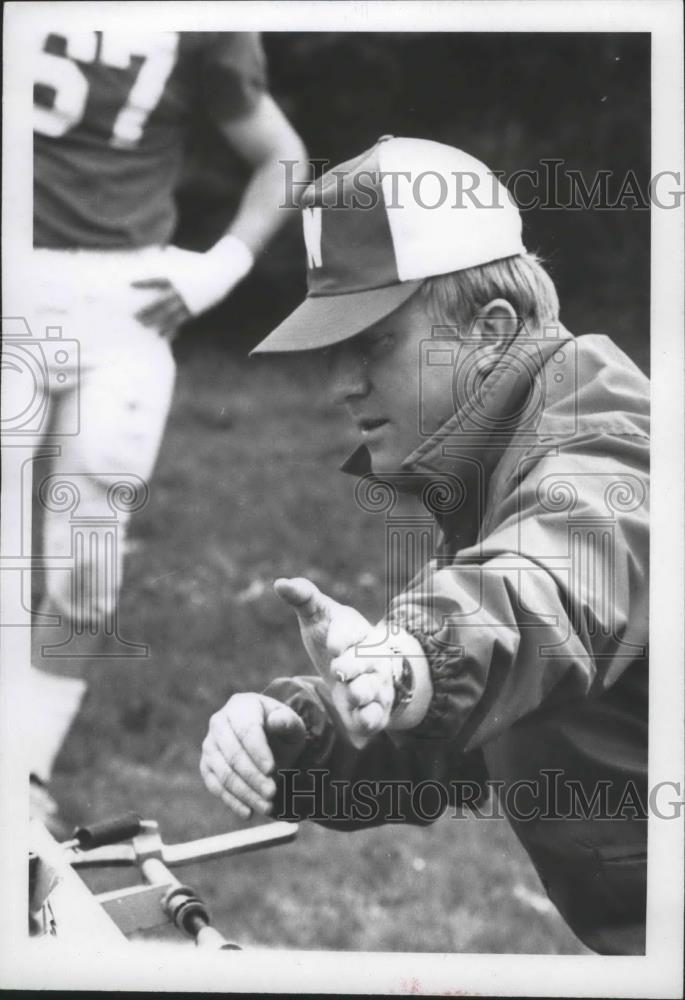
[(167, 311), (363, 690), (165, 315), (248, 720), (367, 721), (286, 724), (237, 759), (351, 664), (347, 628), (364, 701), (304, 597), (229, 781), (155, 313), (287, 733), (224, 778), (361, 723), (237, 755), (371, 718), (216, 788)]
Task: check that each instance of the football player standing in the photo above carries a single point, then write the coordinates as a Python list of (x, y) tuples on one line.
[(112, 113)]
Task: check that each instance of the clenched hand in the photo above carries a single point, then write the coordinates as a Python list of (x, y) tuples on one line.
[(249, 738)]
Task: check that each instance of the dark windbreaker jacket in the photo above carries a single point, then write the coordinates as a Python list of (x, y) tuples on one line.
[(533, 615)]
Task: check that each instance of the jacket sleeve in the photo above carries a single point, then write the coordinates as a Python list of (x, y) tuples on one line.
[(551, 604), (396, 778)]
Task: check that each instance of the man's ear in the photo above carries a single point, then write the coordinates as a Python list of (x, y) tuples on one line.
[(496, 324)]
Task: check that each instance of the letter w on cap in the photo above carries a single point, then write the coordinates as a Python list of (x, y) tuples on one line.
[(311, 218)]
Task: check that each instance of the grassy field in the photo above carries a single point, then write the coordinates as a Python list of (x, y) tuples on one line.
[(247, 489)]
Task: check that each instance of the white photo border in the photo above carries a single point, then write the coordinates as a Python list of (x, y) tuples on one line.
[(152, 967)]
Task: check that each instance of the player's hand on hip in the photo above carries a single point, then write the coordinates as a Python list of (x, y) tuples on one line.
[(196, 281), (327, 627), (165, 311), (250, 737)]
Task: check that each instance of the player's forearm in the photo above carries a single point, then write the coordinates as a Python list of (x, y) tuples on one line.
[(266, 202), (204, 279)]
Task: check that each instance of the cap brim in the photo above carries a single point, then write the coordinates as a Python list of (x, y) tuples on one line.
[(324, 320)]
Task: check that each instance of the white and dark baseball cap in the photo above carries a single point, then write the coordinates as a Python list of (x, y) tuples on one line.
[(376, 226)]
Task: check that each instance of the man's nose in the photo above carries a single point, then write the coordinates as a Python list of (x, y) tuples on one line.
[(348, 375)]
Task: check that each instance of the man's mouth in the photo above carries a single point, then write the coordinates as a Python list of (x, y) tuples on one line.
[(367, 426)]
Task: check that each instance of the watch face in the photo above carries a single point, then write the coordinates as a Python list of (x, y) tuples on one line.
[(403, 677)]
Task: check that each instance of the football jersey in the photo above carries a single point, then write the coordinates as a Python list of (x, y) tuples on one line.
[(111, 114)]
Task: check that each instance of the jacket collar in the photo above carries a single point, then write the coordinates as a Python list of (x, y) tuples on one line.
[(463, 453)]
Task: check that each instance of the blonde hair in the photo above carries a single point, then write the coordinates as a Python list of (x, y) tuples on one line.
[(455, 299)]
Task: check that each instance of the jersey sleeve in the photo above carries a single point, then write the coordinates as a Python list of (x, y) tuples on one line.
[(232, 74)]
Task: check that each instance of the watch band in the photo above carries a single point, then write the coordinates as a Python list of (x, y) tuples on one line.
[(403, 679)]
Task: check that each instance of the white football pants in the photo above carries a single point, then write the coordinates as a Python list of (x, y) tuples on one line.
[(109, 383)]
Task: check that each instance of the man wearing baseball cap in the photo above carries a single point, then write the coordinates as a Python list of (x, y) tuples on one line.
[(516, 658)]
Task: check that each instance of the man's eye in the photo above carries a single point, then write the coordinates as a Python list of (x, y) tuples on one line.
[(379, 343)]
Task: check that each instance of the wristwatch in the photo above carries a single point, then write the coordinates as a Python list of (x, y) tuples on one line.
[(403, 679)]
